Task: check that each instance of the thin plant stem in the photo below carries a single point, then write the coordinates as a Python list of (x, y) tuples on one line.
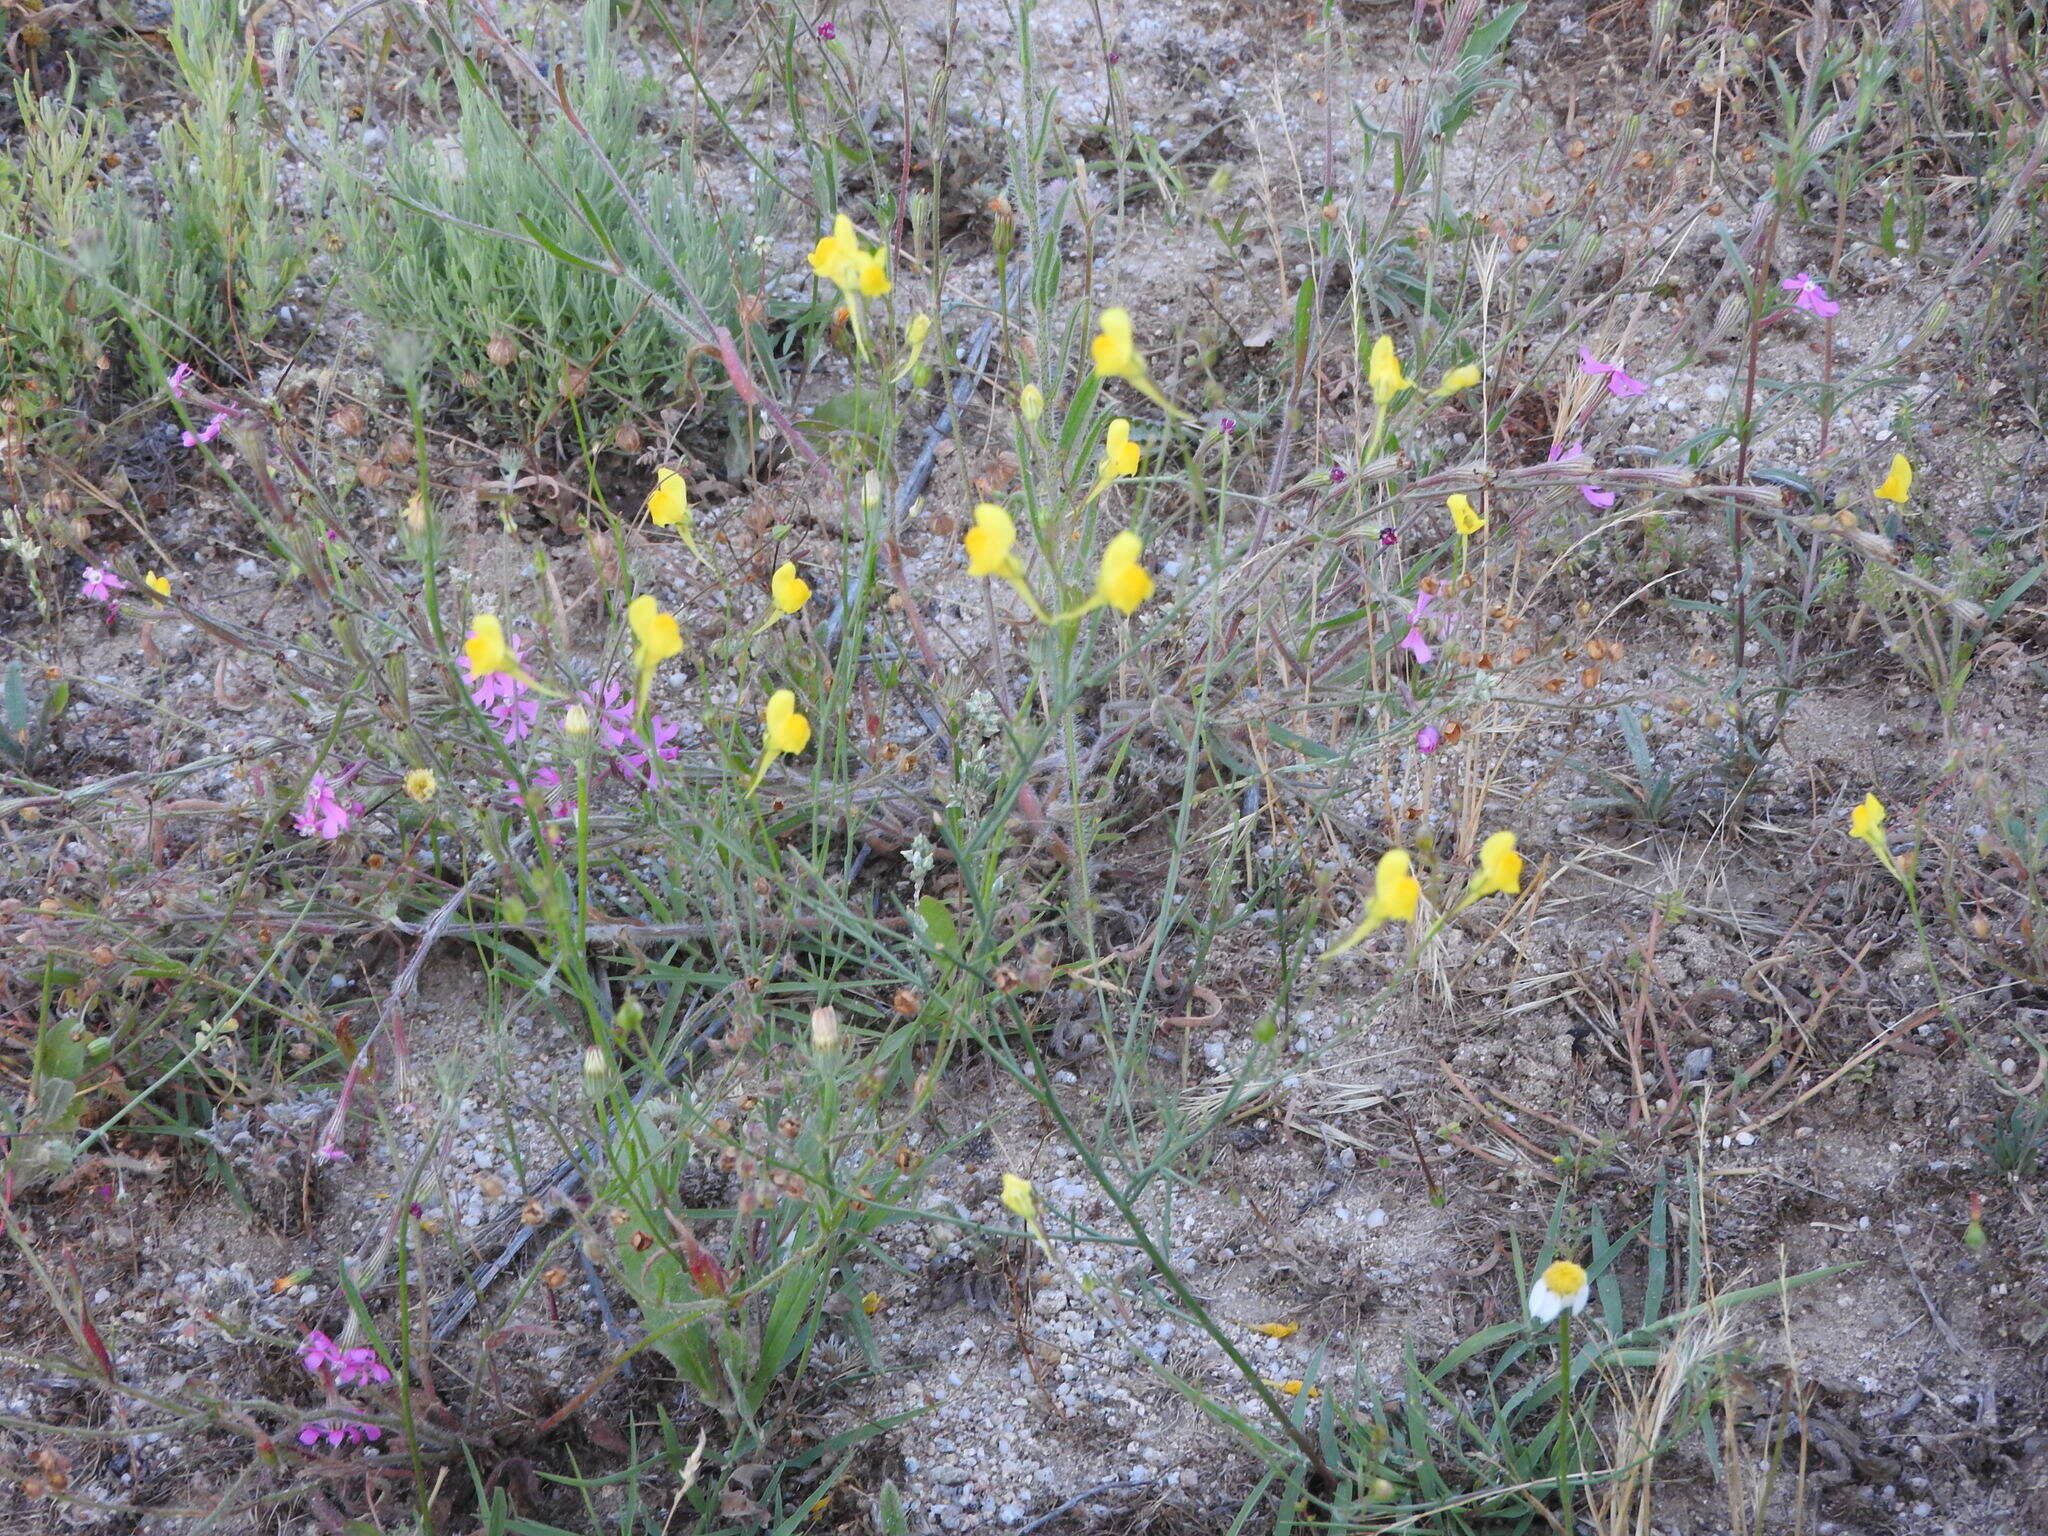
[(1564, 1417)]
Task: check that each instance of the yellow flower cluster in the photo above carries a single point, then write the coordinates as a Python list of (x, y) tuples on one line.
[(1121, 582), (1397, 894), (840, 259)]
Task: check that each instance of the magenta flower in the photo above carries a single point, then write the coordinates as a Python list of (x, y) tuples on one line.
[(338, 1432), (1415, 643), (207, 433), (660, 740), (320, 1353), (1428, 739), (827, 31), (1807, 294), (321, 813), (1596, 495), (361, 1366), (101, 585), (1389, 538), (176, 381), (1619, 380), (515, 719), (554, 797), (1337, 475), (611, 714)]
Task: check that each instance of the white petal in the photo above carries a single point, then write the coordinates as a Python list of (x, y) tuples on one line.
[(1545, 1304), (1578, 1299)]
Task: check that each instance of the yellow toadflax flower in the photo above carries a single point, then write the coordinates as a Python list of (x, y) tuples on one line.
[(1464, 515), (1383, 373), (160, 585), (1275, 1330), (1898, 483), (913, 338), (420, 785), (487, 651), (1562, 1286), (1395, 897), (1457, 379), (668, 504), (1018, 1198), (991, 544), (784, 729), (1121, 582), (1115, 352), (839, 259), (1119, 457), (1866, 825), (657, 637), (1500, 869), (1117, 356), (787, 590)]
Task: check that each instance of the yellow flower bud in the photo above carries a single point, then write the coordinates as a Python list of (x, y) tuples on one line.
[(1018, 1197)]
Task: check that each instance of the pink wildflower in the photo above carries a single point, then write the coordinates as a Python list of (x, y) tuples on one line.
[(322, 814), (207, 433), (361, 1366), (1807, 294), (515, 719), (827, 31), (660, 740), (554, 798), (338, 1432), (1619, 380), (319, 1353), (101, 585), (611, 713), (176, 381), (1596, 495), (1428, 739), (1415, 643)]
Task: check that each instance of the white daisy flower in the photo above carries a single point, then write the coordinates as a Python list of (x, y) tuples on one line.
[(1563, 1285)]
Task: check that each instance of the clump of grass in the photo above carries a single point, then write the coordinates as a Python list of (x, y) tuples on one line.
[(488, 247)]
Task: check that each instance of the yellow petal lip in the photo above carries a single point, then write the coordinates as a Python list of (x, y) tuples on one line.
[(669, 502), (841, 261), (1464, 515), (1113, 350), (1383, 372), (1119, 453), (1500, 867), (160, 585), (1122, 582), (787, 590), (658, 635), (486, 648), (1459, 378), (991, 543), (785, 728), (1898, 482)]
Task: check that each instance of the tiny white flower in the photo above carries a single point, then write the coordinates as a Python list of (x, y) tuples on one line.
[(1563, 1285)]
